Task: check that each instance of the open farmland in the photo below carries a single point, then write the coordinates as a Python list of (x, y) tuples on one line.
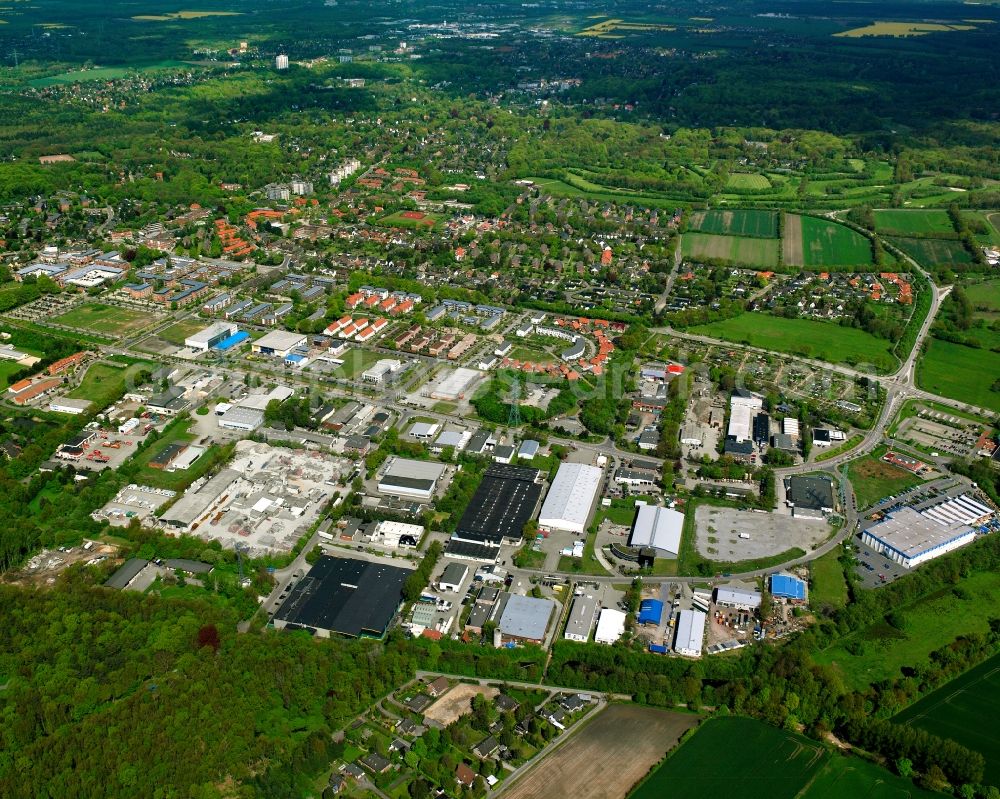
[(105, 319), (913, 223), (902, 29), (807, 337), (761, 762), (956, 710), (854, 778), (883, 650), (933, 252), (102, 73), (735, 249), (633, 738), (960, 372), (759, 224), (819, 243)]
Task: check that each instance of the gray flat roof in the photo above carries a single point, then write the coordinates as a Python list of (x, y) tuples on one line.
[(526, 617), (912, 533)]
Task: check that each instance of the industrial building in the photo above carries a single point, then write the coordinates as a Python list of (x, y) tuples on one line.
[(809, 497), (610, 626), (381, 370), (526, 619), (658, 528), (277, 342), (581, 618), (410, 479), (454, 385), (738, 598), (204, 340), (342, 596), (126, 573), (742, 407), (452, 577), (690, 633), (910, 537), (504, 501), (650, 612), (788, 586), (571, 498)]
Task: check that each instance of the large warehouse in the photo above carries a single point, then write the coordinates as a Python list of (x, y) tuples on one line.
[(658, 528), (277, 342), (342, 596), (503, 502), (581, 618), (526, 619), (410, 479), (204, 340), (808, 496), (910, 537), (690, 633), (571, 497)]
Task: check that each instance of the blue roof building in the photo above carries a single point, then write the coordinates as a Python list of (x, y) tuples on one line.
[(232, 341), (786, 586), (650, 611)]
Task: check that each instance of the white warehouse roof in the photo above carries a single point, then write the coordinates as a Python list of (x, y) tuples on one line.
[(690, 632), (659, 528), (610, 626), (570, 498)]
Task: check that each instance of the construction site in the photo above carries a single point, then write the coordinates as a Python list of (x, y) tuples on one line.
[(263, 500)]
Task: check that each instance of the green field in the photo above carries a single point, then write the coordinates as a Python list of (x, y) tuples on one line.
[(886, 650), (760, 224), (399, 219), (102, 73), (829, 586), (913, 223), (744, 180), (180, 479), (175, 334), (355, 362), (933, 252), (813, 242), (959, 372), (104, 319), (874, 479), (853, 778), (808, 337), (761, 762), (734, 249), (958, 709), (104, 383)]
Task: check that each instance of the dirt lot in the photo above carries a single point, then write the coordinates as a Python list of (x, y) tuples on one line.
[(605, 758), (456, 703), (43, 569), (770, 533), (792, 243)]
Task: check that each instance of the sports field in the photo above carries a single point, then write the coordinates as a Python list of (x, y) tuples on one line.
[(102, 73), (633, 738), (874, 479), (760, 224), (884, 650), (913, 223), (105, 319), (732, 756), (735, 249), (808, 337), (959, 372), (933, 252), (813, 242), (412, 220), (958, 710)]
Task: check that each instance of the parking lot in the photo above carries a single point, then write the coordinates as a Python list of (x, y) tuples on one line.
[(873, 569), (728, 534)]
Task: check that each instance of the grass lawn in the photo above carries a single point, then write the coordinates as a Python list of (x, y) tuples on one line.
[(355, 362), (959, 372), (175, 334), (7, 369), (809, 337), (913, 223), (874, 479), (736, 249), (736, 223), (106, 319), (444, 407), (957, 709), (104, 383), (761, 762), (850, 444), (823, 243), (887, 650), (829, 586), (744, 180), (411, 220), (532, 354), (182, 478)]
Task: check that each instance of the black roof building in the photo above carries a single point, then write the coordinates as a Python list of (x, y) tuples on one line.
[(343, 596), (761, 427), (810, 493), (503, 502), (471, 551), (126, 574)]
